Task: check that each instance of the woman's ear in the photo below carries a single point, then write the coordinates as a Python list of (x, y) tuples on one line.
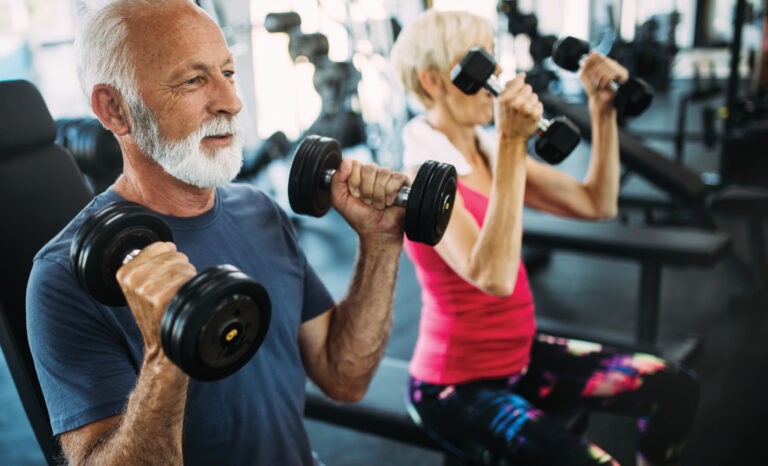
[(433, 82), (110, 109)]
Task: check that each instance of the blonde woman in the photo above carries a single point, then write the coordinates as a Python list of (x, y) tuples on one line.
[(479, 375)]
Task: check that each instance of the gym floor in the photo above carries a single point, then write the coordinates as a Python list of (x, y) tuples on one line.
[(574, 288)]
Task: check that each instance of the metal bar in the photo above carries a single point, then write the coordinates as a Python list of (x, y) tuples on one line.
[(648, 314), (733, 79), (682, 109), (757, 246)]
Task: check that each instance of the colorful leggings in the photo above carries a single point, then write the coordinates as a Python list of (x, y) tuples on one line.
[(500, 421)]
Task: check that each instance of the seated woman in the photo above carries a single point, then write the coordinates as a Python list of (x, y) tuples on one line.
[(481, 380)]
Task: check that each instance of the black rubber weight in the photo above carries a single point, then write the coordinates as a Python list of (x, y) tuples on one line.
[(111, 232), (413, 229), (326, 155), (441, 203), (196, 304), (295, 197), (313, 155), (432, 225)]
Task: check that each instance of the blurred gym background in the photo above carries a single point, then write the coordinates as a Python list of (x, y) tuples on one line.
[(697, 161)]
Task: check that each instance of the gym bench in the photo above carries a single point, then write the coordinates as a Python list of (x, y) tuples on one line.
[(652, 247), (686, 189)]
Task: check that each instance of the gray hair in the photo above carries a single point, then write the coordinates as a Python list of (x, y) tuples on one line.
[(435, 39), (101, 48)]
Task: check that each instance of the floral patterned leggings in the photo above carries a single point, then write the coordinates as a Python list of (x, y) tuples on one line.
[(502, 421)]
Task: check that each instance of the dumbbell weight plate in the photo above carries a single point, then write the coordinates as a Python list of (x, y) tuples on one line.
[(215, 323), (314, 155), (430, 202), (633, 97), (558, 141), (567, 52), (102, 242)]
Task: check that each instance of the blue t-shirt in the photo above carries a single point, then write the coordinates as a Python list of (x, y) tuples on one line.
[(88, 355)]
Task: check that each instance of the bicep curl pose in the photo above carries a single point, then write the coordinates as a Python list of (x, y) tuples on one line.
[(175, 320), (481, 380)]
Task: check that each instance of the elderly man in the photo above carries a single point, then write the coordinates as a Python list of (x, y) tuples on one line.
[(160, 77)]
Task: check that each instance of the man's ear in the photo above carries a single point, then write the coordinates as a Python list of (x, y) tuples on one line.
[(433, 82), (110, 109)]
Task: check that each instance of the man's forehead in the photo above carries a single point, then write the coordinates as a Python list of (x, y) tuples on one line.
[(159, 26), (183, 40)]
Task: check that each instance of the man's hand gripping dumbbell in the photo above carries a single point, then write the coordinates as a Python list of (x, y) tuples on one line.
[(428, 202)]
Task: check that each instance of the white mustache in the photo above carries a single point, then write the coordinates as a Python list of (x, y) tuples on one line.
[(221, 126)]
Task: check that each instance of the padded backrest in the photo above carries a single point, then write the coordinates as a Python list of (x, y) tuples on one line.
[(94, 148), (42, 190)]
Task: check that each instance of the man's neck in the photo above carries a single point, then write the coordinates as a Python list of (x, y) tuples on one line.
[(144, 181)]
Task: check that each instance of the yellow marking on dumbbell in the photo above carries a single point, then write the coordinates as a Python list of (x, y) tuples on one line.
[(231, 335)]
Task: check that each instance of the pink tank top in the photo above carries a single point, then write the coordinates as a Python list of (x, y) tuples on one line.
[(464, 333)]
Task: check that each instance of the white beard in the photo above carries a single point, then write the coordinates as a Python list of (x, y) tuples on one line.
[(185, 159)]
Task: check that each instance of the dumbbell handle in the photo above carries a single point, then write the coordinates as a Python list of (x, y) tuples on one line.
[(494, 87), (402, 194), (130, 256)]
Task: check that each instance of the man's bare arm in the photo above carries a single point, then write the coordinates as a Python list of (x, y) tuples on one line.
[(150, 429), (342, 348), (148, 432)]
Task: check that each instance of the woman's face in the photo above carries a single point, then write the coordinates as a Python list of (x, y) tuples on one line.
[(476, 109)]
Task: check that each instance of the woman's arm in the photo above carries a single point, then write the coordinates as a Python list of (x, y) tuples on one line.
[(489, 257), (596, 197)]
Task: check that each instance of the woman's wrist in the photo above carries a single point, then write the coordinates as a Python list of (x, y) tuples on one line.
[(601, 108), (512, 152), (512, 139)]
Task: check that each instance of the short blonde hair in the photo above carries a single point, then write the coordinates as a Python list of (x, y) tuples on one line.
[(435, 39)]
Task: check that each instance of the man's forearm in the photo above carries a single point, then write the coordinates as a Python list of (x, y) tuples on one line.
[(361, 322), (150, 429)]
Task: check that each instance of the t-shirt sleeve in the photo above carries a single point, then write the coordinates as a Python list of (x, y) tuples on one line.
[(317, 298), (85, 372)]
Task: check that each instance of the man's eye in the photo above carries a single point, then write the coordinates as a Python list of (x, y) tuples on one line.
[(192, 81), (229, 74)]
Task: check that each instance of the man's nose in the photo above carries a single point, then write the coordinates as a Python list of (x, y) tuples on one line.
[(224, 99)]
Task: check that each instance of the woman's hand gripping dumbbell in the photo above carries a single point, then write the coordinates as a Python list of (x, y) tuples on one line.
[(216, 319), (557, 137), (632, 96), (428, 201)]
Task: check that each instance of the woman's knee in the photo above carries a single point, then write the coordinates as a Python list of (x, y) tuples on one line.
[(679, 389)]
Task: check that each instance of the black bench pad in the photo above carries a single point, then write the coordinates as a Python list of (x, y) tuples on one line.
[(741, 200), (674, 246)]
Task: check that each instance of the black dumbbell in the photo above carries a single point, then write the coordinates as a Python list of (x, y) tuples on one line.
[(632, 97), (557, 137), (428, 202), (215, 322)]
